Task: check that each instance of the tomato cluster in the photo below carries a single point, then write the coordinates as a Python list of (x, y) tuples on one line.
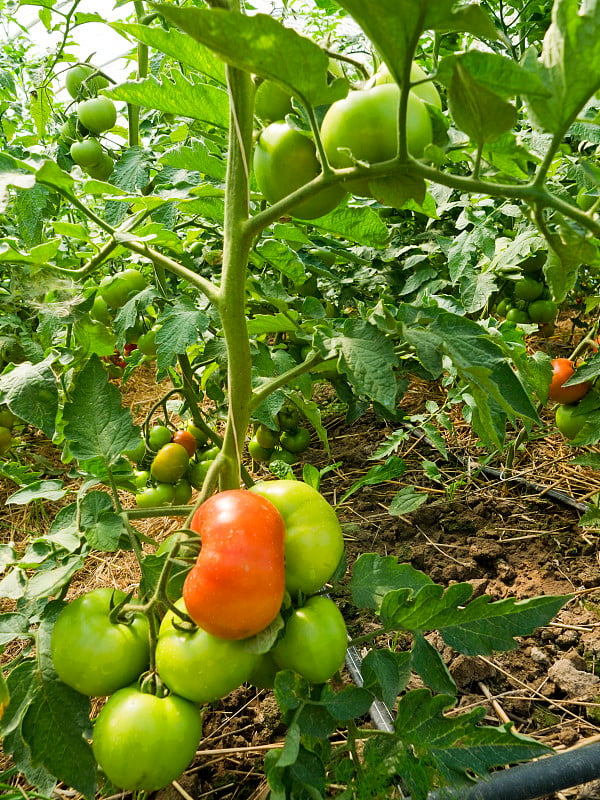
[(264, 552), (568, 421), (526, 299), (170, 464), (284, 444)]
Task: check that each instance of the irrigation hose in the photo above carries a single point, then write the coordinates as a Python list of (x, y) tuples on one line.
[(527, 781)]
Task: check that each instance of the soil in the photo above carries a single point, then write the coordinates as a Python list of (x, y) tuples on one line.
[(506, 538)]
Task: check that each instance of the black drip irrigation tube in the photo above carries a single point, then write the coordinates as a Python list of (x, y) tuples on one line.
[(527, 781)]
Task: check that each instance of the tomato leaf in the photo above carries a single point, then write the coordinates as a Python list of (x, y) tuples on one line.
[(482, 114), (350, 703), (407, 500), (256, 43), (96, 424), (386, 674), (427, 662), (572, 40), (494, 72), (30, 391), (179, 95), (374, 576)]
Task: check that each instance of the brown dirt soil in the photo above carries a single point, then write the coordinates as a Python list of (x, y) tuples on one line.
[(506, 539)]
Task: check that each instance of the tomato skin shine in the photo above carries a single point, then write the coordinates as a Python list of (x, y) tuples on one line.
[(236, 587), (366, 123), (285, 160)]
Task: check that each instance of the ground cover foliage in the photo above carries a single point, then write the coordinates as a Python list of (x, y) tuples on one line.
[(144, 248)]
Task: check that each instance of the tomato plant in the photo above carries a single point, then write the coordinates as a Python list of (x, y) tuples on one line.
[(98, 114), (314, 544), (199, 666), (170, 463), (143, 742), (562, 370), (568, 422), (315, 640), (236, 587), (93, 654), (364, 127), (286, 159)]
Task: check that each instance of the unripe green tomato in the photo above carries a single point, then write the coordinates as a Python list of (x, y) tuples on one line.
[(266, 437), (170, 463), (155, 496), (100, 311), (87, 152), (314, 642), (68, 130), (199, 435), (103, 169), (199, 666), (425, 91), (285, 160), (585, 199), (159, 436), (5, 440), (296, 441), (141, 477), (363, 126), (7, 418), (503, 307), (528, 288), (74, 81), (98, 114), (542, 311), (281, 454), (271, 102), (208, 453), (147, 343), (143, 742), (196, 472), (257, 452), (114, 291), (518, 316), (182, 492), (567, 421)]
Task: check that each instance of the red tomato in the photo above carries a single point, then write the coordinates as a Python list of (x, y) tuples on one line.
[(562, 370), (236, 587)]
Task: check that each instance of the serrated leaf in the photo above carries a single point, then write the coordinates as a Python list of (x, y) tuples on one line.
[(40, 107), (173, 43), (38, 490), (270, 323), (96, 424), (179, 95), (349, 703), (406, 501), (255, 44), (494, 72), (572, 40), (180, 328), (283, 258), (386, 674), (31, 392), (361, 225), (93, 337), (482, 114), (380, 473), (100, 524), (427, 662), (373, 576), (195, 157)]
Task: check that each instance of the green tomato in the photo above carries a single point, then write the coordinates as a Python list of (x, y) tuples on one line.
[(86, 153), (296, 441), (159, 436), (97, 115), (5, 440), (285, 160), (114, 290), (196, 472), (271, 102), (257, 452), (199, 435), (170, 463), (585, 198), (425, 91), (503, 307), (100, 311), (288, 418), (281, 454), (518, 316), (542, 311), (77, 81), (364, 127), (155, 496), (266, 437), (182, 492), (143, 742), (68, 130), (528, 289), (208, 453), (94, 655), (7, 418), (103, 169), (263, 674), (141, 478), (567, 420), (314, 544), (199, 666), (314, 641), (147, 341)]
